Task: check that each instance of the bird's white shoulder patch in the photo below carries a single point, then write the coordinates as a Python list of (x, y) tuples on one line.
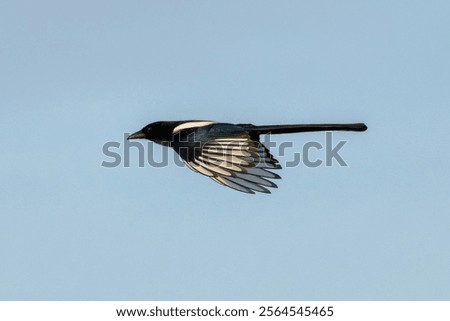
[(192, 124)]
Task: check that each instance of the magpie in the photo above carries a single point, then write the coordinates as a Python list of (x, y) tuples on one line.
[(229, 154)]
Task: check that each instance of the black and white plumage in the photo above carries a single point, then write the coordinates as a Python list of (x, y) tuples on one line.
[(229, 154)]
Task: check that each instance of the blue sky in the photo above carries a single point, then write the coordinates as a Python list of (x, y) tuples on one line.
[(75, 76)]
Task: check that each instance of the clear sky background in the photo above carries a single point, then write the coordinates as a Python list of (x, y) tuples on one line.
[(74, 76)]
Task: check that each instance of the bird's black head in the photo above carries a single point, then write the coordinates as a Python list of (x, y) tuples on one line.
[(160, 132)]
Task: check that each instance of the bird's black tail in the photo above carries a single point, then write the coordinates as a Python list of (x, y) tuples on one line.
[(287, 129)]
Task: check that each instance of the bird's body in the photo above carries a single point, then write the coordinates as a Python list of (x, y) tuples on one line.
[(230, 154)]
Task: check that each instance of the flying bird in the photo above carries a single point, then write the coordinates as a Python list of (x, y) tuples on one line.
[(229, 154)]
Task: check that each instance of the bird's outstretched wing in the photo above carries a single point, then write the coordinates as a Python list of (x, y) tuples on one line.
[(238, 162)]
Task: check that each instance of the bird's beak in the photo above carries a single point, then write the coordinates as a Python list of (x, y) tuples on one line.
[(136, 135)]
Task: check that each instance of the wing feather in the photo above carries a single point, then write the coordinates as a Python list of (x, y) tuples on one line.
[(216, 170), (221, 163), (233, 185), (256, 179), (248, 184), (197, 168), (238, 162), (229, 158)]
